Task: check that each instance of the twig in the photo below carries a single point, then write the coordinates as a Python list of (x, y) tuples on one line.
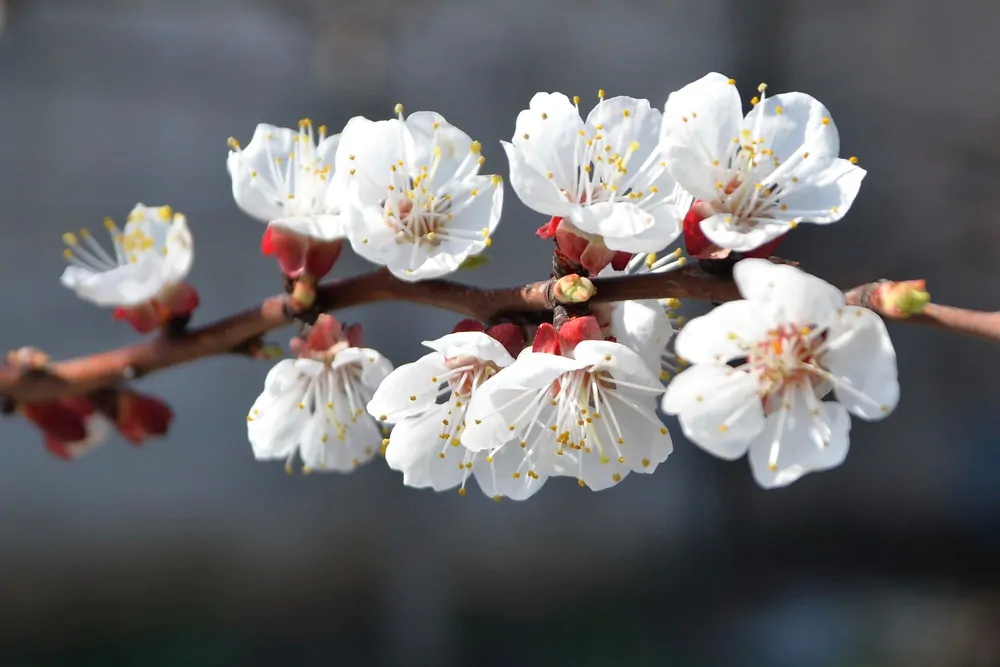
[(232, 335)]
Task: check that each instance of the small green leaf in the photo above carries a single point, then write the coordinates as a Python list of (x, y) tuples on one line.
[(475, 261)]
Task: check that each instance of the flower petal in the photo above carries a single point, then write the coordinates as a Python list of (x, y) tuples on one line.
[(474, 344), (800, 298), (409, 390), (258, 187), (318, 227), (179, 252), (275, 421), (643, 326), (825, 191), (547, 137), (860, 356), (128, 285), (532, 187), (725, 333), (623, 120), (700, 122), (796, 441), (426, 460), (803, 124), (367, 153), (718, 408), (721, 230), (431, 131), (614, 220), (496, 472)]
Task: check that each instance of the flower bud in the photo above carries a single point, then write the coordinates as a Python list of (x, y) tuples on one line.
[(297, 254), (901, 299), (573, 289), (140, 417)]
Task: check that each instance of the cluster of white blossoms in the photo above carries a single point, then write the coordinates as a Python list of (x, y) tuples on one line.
[(776, 374)]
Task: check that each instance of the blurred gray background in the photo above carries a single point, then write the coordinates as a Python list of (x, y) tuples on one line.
[(187, 552)]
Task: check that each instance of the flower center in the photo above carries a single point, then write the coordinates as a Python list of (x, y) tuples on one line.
[(787, 358)]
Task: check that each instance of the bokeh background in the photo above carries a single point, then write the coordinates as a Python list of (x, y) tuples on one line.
[(187, 552)]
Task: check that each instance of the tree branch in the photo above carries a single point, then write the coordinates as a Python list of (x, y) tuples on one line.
[(232, 335)]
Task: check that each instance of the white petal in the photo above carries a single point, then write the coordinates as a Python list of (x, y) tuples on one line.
[(495, 473), (699, 123), (364, 439), (127, 285), (644, 327), (806, 441), (369, 150), (430, 130), (860, 355), (179, 252), (473, 344), (624, 120), (601, 472), (534, 188), (257, 188), (409, 390), (666, 227), (411, 448), (275, 421), (646, 442), (415, 449), (718, 408), (799, 127), (801, 299), (319, 227), (825, 192), (374, 367), (725, 333), (620, 361), (547, 135), (721, 230), (617, 222)]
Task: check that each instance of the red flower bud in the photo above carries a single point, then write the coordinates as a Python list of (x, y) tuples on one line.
[(140, 417), (297, 254)]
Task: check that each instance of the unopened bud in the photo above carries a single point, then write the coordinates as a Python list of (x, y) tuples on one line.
[(573, 289), (901, 299)]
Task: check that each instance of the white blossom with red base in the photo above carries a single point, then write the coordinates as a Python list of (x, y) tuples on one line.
[(285, 177), (143, 276), (313, 406), (796, 341), (425, 444), (756, 177), (574, 406), (603, 180), (417, 203)]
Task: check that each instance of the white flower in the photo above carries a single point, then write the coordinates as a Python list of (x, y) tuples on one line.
[(797, 341), (152, 255), (286, 178), (763, 174), (604, 175), (315, 408), (591, 416), (417, 203), (425, 444)]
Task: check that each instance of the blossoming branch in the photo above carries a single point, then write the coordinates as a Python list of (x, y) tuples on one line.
[(566, 377)]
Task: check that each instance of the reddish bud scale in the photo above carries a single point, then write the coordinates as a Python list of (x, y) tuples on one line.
[(699, 246), (140, 417), (298, 255), (177, 301), (580, 248)]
